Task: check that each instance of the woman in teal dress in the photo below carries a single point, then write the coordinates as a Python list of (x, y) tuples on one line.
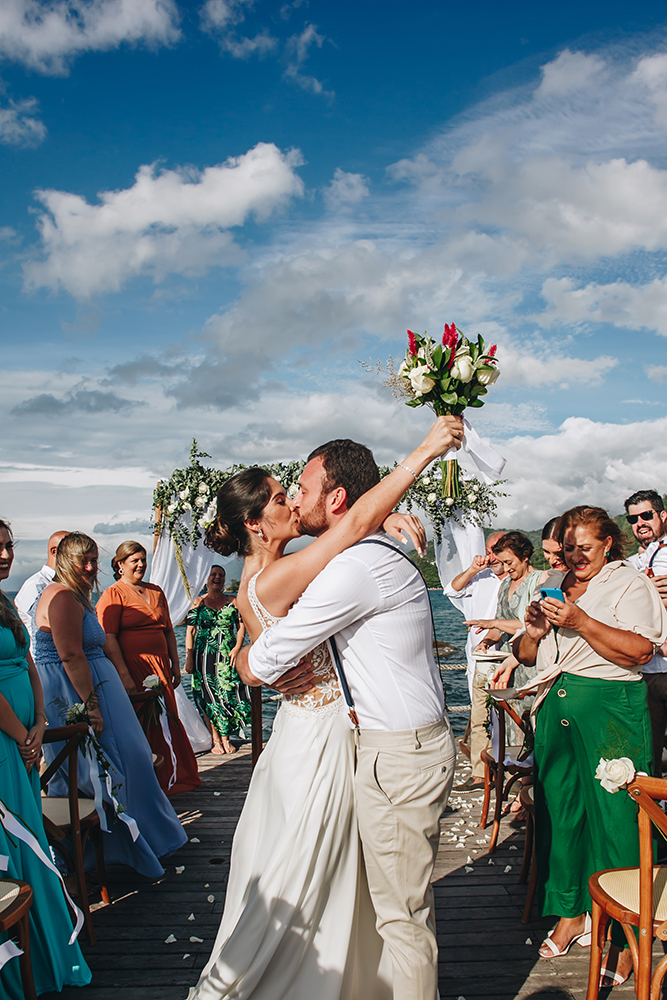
[(55, 962), (214, 636)]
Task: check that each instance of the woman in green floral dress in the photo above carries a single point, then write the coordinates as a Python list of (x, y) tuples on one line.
[(214, 636)]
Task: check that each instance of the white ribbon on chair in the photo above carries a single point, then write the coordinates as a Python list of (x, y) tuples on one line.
[(9, 950), (13, 827), (96, 782), (166, 732)]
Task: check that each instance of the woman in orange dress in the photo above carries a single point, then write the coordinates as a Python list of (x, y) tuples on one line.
[(141, 641)]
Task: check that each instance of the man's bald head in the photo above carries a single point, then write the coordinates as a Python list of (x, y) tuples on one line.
[(52, 547), (492, 539)]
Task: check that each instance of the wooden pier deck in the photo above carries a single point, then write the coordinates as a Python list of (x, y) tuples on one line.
[(485, 950)]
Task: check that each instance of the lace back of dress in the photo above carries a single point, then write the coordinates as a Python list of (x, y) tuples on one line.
[(326, 691)]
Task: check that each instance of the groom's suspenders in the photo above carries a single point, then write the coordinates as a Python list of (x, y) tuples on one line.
[(347, 694)]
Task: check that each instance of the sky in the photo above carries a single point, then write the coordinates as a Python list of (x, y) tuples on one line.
[(210, 210)]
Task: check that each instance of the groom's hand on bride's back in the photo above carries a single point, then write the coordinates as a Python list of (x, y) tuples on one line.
[(296, 680)]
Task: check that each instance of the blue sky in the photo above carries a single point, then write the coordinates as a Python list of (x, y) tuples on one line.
[(211, 209)]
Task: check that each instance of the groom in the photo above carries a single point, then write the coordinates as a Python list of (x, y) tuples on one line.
[(373, 601)]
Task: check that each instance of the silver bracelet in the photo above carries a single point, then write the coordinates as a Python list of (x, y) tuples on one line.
[(401, 466)]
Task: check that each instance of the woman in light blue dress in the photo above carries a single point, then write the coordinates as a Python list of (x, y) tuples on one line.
[(69, 653), (55, 962)]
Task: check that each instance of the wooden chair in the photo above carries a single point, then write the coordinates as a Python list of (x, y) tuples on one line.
[(495, 770), (142, 702), (73, 816), (15, 902), (636, 897), (527, 797)]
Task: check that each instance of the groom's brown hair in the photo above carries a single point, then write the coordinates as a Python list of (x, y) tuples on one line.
[(347, 464)]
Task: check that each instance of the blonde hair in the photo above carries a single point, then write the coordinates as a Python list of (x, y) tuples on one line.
[(123, 552), (71, 554)]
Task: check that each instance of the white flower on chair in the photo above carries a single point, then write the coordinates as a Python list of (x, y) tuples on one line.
[(615, 774)]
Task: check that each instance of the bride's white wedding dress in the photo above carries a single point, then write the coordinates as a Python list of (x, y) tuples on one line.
[(298, 922)]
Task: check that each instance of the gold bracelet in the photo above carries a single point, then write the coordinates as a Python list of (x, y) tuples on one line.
[(43, 715)]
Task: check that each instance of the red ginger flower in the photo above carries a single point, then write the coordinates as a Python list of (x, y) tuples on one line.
[(492, 350), (450, 336), (412, 344)]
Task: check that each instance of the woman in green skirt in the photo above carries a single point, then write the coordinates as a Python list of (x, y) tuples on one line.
[(591, 705), (214, 636)]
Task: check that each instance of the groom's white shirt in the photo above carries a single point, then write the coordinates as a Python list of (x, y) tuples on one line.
[(375, 603)]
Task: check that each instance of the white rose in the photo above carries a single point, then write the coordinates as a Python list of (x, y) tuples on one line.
[(450, 501), (152, 682), (421, 383), (171, 508), (211, 513), (488, 378), (404, 369), (292, 490), (203, 488), (201, 502), (183, 494), (463, 368), (432, 497), (426, 480), (187, 506), (614, 774)]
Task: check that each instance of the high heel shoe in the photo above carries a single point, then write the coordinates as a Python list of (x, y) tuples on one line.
[(583, 940)]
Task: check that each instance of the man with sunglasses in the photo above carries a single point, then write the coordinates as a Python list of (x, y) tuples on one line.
[(646, 515)]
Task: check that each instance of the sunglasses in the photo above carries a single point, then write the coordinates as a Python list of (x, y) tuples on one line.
[(646, 515)]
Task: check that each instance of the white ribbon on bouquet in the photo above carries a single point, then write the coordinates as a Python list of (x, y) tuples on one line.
[(16, 829), (486, 458)]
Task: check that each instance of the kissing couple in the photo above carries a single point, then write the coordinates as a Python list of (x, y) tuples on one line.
[(329, 893)]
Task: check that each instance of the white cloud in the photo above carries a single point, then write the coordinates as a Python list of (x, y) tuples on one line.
[(345, 189), (584, 461), (618, 303), (219, 18), (19, 124), (570, 72), (169, 221), (657, 373), (297, 49), (46, 36)]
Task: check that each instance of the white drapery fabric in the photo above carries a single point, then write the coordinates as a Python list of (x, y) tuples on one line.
[(166, 573)]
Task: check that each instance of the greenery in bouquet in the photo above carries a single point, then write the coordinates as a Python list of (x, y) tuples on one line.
[(448, 377)]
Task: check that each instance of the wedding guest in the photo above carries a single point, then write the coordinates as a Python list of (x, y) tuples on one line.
[(55, 962), (591, 704), (70, 653), (140, 642), (214, 636), (514, 551), (474, 592), (551, 546), (28, 595), (646, 516)]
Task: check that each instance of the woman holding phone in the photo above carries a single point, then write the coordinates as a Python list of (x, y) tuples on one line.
[(589, 649)]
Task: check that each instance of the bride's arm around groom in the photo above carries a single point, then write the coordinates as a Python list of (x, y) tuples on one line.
[(372, 599)]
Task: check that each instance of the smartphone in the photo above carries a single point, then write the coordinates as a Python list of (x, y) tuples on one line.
[(555, 593)]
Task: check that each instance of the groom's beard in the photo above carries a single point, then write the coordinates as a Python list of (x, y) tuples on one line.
[(315, 521)]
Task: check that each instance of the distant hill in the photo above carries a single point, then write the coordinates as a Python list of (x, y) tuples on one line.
[(430, 570)]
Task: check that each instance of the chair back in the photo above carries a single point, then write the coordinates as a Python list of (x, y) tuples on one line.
[(521, 723), (71, 736), (647, 792)]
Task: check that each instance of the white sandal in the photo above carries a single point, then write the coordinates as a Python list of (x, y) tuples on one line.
[(583, 940)]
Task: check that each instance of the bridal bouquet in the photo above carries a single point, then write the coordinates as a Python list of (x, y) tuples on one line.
[(448, 377)]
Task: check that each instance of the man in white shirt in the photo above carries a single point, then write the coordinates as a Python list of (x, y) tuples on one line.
[(28, 595), (372, 601), (474, 592), (647, 517)]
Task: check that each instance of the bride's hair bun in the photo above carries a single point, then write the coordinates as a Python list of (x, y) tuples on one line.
[(242, 498)]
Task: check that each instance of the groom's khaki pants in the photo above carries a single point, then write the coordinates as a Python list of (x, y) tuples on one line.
[(403, 780)]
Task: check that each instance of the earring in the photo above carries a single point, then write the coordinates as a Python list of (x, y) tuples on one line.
[(606, 555), (261, 534)]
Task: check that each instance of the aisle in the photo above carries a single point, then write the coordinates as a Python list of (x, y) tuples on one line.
[(483, 945)]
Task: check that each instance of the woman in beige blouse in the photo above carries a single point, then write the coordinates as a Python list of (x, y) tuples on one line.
[(591, 704)]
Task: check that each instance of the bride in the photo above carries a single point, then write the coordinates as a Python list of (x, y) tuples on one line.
[(298, 923)]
